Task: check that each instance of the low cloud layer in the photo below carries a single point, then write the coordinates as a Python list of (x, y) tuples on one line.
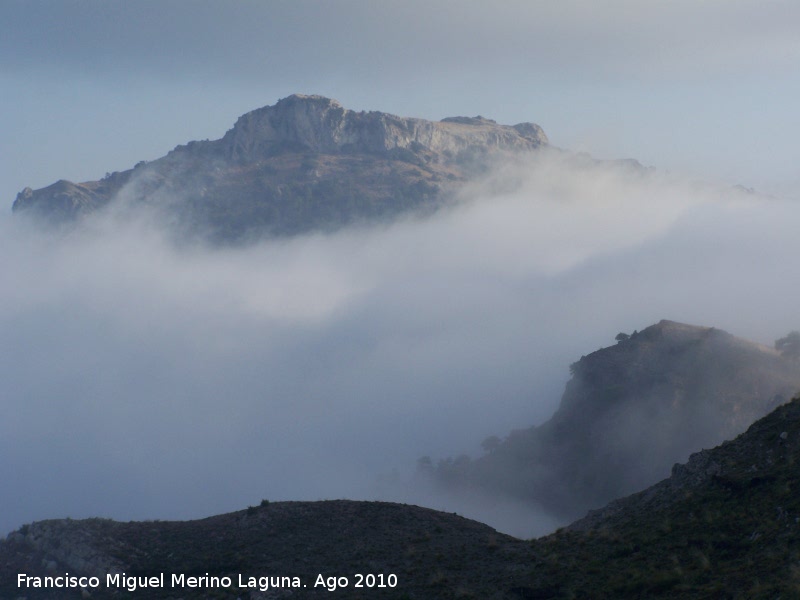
[(145, 380)]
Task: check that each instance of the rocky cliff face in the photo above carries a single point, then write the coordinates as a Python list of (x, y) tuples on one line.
[(322, 125), (305, 163), (629, 413)]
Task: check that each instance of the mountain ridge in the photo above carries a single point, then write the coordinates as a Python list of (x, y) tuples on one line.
[(305, 163), (426, 550), (629, 412), (324, 125)]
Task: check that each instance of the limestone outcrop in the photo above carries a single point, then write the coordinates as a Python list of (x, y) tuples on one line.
[(304, 164)]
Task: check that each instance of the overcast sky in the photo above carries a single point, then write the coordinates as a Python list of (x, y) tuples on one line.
[(709, 88), (144, 381)]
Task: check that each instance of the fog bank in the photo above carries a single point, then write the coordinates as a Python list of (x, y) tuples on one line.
[(147, 380)]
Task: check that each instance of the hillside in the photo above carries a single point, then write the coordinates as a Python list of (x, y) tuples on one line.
[(628, 414), (725, 525), (432, 554), (304, 164)]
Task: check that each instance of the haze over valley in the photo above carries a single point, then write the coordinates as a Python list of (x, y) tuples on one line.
[(177, 379)]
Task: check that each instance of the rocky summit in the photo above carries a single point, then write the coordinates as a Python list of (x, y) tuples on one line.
[(322, 125), (304, 164)]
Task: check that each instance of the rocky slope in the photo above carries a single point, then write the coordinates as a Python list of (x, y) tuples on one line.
[(725, 525), (432, 554), (628, 414), (304, 164)]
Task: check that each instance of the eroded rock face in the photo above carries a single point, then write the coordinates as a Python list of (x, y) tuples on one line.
[(305, 163), (322, 125)]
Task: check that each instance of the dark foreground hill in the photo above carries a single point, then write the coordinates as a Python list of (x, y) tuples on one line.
[(628, 414), (431, 554), (304, 164), (725, 525)]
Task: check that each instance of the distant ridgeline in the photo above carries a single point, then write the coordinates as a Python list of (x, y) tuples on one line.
[(629, 413), (304, 164)]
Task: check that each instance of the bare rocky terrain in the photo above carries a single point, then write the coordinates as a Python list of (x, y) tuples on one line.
[(304, 164)]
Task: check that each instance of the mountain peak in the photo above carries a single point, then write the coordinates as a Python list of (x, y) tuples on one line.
[(310, 98), (479, 120), (304, 163), (322, 125)]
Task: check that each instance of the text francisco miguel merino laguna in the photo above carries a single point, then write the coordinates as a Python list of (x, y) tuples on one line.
[(178, 580)]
